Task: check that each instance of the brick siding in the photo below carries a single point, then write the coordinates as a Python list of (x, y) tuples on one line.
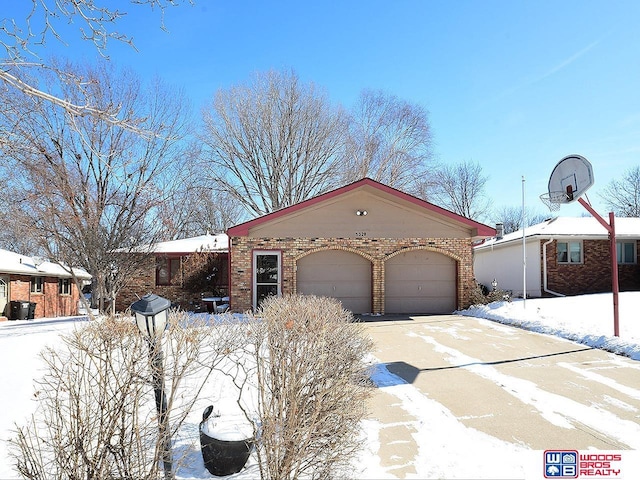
[(144, 281), (593, 275), (49, 303), (376, 250)]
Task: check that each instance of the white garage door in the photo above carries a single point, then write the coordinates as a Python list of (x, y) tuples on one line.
[(420, 281), (338, 274)]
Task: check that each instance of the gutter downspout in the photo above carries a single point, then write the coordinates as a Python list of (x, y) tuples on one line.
[(544, 270)]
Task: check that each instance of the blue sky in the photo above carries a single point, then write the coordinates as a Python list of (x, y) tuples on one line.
[(514, 85)]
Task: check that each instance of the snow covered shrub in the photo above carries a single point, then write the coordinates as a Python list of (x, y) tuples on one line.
[(313, 384), (481, 295), (96, 416)]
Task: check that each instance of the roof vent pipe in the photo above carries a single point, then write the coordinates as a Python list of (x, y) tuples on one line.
[(499, 231)]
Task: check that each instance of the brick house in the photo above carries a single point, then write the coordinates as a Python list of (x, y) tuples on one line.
[(182, 271), (45, 284), (564, 256), (375, 248)]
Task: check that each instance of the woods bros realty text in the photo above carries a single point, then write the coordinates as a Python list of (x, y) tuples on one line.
[(572, 464)]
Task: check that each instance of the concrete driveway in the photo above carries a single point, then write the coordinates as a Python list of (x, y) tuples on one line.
[(537, 391)]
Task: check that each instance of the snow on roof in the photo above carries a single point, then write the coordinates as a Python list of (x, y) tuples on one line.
[(584, 227), (11, 262), (208, 242)]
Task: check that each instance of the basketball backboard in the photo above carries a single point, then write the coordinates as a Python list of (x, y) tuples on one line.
[(570, 179)]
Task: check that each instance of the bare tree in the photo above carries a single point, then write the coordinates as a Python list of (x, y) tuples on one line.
[(389, 140), (44, 20), (273, 142), (88, 189), (197, 205), (511, 218), (199, 209), (460, 188), (623, 196)]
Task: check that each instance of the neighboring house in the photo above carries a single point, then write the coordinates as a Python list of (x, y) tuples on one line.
[(182, 271), (43, 284), (375, 248), (564, 256)]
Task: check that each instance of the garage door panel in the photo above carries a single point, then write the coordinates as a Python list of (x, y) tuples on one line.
[(420, 272), (342, 275), (407, 289), (420, 282), (346, 272), (333, 289), (438, 305)]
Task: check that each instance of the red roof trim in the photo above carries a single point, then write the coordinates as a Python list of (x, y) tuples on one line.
[(243, 228)]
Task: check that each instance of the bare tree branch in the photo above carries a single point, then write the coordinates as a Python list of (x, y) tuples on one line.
[(87, 188), (45, 19), (511, 218), (623, 196), (389, 140), (275, 141), (460, 188)]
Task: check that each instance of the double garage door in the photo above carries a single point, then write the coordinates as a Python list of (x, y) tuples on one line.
[(418, 281)]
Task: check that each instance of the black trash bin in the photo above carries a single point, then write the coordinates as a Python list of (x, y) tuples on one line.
[(223, 457), (32, 311), (19, 310)]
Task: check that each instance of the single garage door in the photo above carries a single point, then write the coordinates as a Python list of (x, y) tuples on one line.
[(338, 274), (420, 281)]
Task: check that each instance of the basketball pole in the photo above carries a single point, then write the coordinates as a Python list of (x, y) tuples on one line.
[(615, 287), (524, 250)]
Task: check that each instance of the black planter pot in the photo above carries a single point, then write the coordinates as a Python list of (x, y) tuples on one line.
[(223, 457)]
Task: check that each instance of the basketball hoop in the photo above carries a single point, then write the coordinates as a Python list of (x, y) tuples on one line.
[(569, 180), (553, 200)]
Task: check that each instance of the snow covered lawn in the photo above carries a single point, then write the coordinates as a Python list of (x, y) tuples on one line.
[(585, 319)]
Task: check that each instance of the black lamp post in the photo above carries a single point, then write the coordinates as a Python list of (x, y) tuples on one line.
[(151, 315)]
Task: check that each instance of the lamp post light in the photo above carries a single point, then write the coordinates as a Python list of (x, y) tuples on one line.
[(494, 284), (151, 315)]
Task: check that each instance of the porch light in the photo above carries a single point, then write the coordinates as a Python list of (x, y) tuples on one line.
[(361, 213), (151, 315), (494, 284)]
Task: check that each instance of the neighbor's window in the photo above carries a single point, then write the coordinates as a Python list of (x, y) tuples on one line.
[(36, 284), (167, 270), (626, 252), (64, 286), (569, 252)]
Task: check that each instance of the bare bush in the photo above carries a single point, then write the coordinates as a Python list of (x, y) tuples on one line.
[(312, 386), (482, 295), (96, 416), (297, 370)]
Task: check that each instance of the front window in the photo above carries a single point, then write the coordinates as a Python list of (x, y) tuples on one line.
[(626, 252), (569, 252), (167, 270), (266, 276), (64, 286), (36, 284)]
